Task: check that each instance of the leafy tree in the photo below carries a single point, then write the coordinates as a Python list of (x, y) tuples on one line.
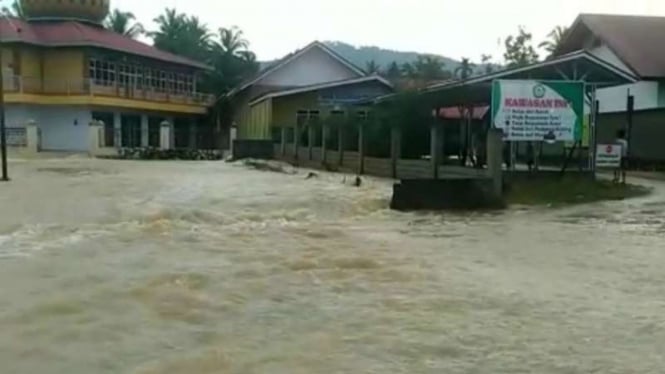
[(556, 37), (486, 60), (519, 51), (371, 67), (393, 72), (408, 70), (14, 10), (430, 68), (465, 69), (124, 23)]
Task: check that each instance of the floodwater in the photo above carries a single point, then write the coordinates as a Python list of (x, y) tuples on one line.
[(188, 267)]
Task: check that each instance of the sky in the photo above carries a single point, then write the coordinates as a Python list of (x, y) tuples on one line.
[(452, 28)]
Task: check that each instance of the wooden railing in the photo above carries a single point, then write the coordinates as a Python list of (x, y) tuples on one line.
[(89, 87)]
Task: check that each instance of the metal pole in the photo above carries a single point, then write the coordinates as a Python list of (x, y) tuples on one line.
[(3, 132)]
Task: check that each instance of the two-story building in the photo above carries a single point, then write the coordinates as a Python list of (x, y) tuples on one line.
[(62, 69)]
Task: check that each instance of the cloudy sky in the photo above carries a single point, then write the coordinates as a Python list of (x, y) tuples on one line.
[(454, 28)]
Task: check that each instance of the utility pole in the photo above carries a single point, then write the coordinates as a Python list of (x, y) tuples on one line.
[(3, 132)]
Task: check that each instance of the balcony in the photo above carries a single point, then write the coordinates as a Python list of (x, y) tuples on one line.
[(88, 87)]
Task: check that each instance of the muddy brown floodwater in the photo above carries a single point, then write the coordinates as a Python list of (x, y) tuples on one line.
[(176, 267)]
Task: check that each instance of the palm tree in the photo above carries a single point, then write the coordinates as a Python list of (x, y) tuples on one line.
[(182, 35), (123, 23), (371, 67), (465, 69), (556, 37), (232, 40)]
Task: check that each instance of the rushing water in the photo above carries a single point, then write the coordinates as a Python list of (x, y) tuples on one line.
[(169, 267)]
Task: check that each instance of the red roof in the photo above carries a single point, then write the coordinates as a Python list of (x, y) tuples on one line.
[(478, 112), (73, 34)]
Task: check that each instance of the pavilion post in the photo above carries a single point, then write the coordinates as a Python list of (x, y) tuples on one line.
[(361, 148), (340, 144), (434, 149), (324, 143), (495, 159), (395, 148), (310, 140), (296, 142), (282, 148)]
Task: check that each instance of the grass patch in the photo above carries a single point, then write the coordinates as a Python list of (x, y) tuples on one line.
[(568, 190)]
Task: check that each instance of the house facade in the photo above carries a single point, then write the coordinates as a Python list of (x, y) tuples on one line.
[(630, 43), (62, 70), (308, 85)]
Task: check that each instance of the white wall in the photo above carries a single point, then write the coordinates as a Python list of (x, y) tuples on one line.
[(614, 99), (63, 128), (313, 67)]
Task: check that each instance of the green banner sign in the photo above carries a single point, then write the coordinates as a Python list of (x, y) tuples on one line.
[(529, 110)]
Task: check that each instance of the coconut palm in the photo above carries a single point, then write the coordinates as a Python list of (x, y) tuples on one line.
[(232, 41), (124, 23), (182, 35), (556, 37)]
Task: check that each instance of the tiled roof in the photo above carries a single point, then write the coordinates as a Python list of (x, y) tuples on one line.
[(72, 34)]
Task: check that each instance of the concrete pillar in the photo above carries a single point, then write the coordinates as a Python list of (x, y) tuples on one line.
[(145, 131), (117, 129), (361, 149), (171, 122), (165, 135), (32, 136), (233, 135), (395, 149), (324, 144), (495, 159), (282, 149), (95, 137), (192, 134), (434, 149), (310, 141), (340, 144)]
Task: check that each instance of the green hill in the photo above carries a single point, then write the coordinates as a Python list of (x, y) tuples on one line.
[(383, 57)]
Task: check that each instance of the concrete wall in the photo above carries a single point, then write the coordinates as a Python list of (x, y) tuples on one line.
[(315, 66), (64, 128), (646, 143)]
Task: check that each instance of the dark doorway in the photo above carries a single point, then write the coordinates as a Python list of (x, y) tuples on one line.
[(154, 131), (131, 131)]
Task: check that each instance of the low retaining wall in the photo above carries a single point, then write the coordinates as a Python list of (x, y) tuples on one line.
[(262, 149), (380, 167), (445, 194)]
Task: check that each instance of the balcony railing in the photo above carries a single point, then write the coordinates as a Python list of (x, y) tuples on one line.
[(89, 87)]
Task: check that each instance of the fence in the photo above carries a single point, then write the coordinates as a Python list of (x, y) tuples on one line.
[(380, 167), (16, 137)]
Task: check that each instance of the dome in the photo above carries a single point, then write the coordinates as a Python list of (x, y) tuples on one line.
[(83, 10)]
